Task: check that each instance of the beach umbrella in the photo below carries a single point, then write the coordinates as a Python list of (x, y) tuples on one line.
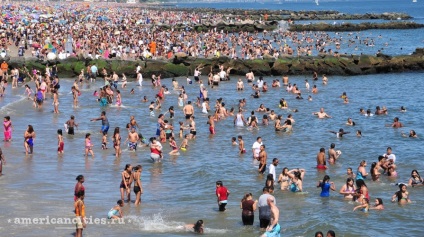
[(34, 21), (36, 45), (48, 46), (117, 32)]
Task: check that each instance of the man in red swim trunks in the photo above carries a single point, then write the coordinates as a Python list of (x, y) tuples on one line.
[(321, 159), (211, 124)]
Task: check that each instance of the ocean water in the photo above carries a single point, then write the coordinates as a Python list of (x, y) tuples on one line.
[(390, 42), (180, 190), (348, 6)]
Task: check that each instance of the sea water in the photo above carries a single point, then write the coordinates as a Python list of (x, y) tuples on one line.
[(181, 189)]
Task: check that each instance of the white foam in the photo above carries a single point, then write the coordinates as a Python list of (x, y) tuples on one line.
[(7, 109), (158, 224)]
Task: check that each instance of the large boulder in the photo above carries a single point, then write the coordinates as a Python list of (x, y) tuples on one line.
[(281, 66), (259, 66)]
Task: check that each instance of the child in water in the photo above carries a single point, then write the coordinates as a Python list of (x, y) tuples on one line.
[(365, 206), (104, 141), (116, 211), (88, 145), (234, 141), (60, 143)]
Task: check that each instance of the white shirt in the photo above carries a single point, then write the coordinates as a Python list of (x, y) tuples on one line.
[(391, 157), (272, 171), (222, 74), (204, 109), (257, 148)]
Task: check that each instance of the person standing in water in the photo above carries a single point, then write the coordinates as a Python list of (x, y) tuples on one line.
[(138, 188), (79, 186), (126, 182), (60, 143), (105, 122), (70, 124), (7, 124), (222, 194), (326, 186), (88, 145), (80, 214), (273, 228), (29, 137), (55, 101)]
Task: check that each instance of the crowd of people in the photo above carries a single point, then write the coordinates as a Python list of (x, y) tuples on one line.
[(355, 187), (131, 42), (99, 31)]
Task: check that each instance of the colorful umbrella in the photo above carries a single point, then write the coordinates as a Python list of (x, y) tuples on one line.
[(48, 46)]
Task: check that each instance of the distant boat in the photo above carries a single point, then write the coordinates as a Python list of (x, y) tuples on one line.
[(414, 0), (316, 2)]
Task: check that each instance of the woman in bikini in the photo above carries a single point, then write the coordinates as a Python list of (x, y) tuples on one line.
[(117, 142), (402, 195), (126, 182), (284, 178), (349, 189), (415, 179), (138, 189), (297, 180)]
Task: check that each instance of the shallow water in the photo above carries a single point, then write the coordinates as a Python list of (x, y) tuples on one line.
[(181, 189)]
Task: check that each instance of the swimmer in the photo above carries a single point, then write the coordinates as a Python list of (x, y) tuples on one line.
[(350, 122), (234, 141), (358, 133), (340, 133), (378, 204), (412, 134), (197, 227), (321, 114), (348, 189), (116, 211), (88, 145), (402, 195), (365, 205), (395, 124)]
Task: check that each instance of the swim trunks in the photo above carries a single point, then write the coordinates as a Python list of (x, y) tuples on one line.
[(275, 232), (137, 189), (105, 129), (132, 145), (321, 167)]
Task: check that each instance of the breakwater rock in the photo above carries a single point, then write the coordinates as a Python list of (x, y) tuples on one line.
[(184, 66), (277, 15), (355, 27)]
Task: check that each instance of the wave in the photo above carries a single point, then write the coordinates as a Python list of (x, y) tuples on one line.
[(158, 224), (7, 109)]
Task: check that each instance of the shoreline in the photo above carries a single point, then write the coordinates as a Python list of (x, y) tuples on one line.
[(182, 65)]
